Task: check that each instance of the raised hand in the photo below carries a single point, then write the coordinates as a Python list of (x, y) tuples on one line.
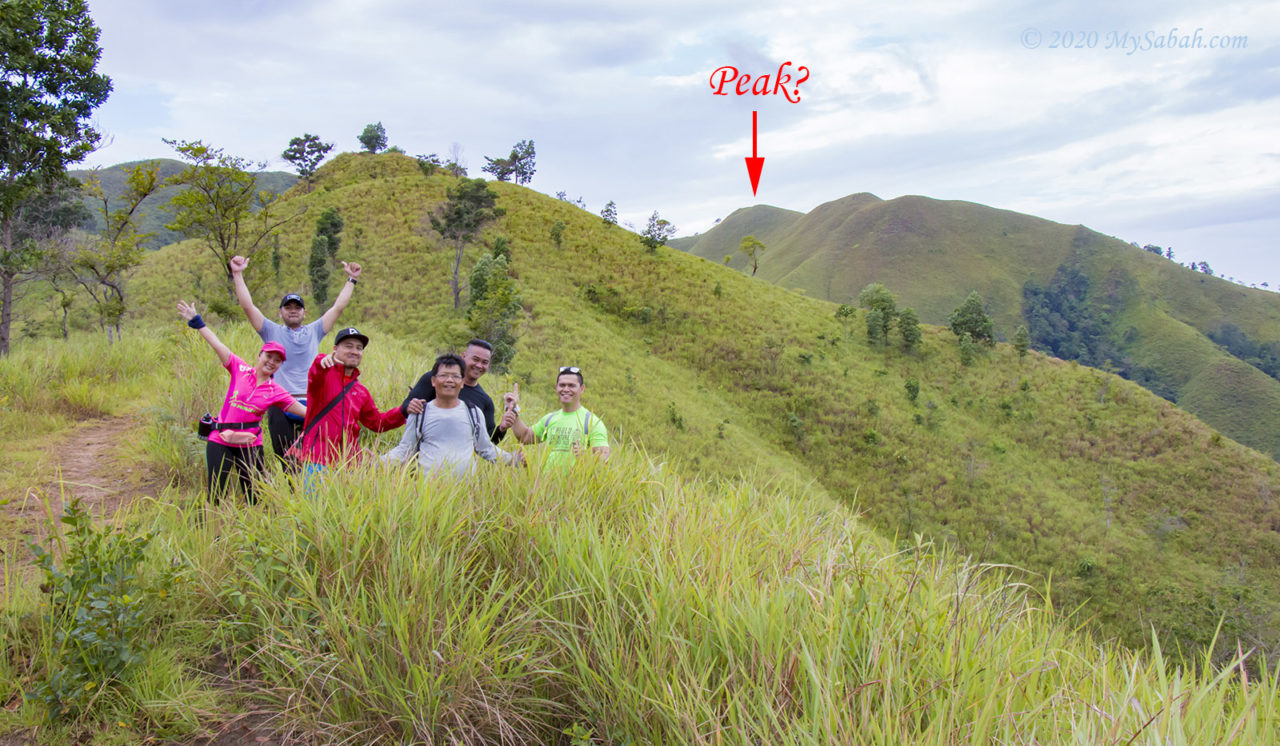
[(508, 419), (353, 270), (187, 311), (512, 397), (328, 361), (238, 264)]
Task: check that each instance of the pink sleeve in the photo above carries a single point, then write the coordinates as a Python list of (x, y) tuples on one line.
[(282, 399), (232, 362)]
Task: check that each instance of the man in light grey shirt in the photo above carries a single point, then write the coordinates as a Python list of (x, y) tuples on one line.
[(301, 342), (450, 430)]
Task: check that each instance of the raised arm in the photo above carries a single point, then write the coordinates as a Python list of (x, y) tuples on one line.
[(330, 317), (188, 312), (521, 431), (237, 264)]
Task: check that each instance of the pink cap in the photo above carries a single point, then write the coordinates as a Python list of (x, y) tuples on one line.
[(275, 347)]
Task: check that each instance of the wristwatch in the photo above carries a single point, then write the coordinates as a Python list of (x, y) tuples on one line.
[(351, 280)]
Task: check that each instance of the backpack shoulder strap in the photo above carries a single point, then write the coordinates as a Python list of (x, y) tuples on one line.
[(586, 422), (473, 413)]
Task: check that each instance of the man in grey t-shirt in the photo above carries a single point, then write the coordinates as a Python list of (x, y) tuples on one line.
[(301, 341), (450, 430)]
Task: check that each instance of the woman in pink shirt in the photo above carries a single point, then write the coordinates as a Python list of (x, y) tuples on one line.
[(235, 446)]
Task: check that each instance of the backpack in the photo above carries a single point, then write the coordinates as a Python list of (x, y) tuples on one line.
[(473, 414)]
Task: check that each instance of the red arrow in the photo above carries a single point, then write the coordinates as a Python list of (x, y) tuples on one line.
[(754, 164)]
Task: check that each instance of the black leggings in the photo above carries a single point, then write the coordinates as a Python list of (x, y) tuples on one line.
[(283, 432), (244, 462)]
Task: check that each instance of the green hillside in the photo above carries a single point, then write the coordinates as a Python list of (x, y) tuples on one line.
[(1152, 315), (1141, 514), (154, 210), (717, 577)]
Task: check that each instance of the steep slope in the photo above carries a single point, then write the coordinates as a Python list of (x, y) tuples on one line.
[(1153, 314), (1141, 513)]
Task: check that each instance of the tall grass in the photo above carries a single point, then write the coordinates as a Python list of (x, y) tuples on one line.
[(626, 602)]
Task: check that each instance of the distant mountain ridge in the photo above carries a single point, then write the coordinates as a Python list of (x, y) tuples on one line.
[(154, 210), (1144, 315)]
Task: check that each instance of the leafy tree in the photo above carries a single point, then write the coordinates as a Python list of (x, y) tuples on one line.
[(518, 165), (306, 153), (429, 164), (1021, 340), (968, 349), (909, 328), (101, 267), (1168, 253), (48, 55), (324, 252), (1204, 267), (318, 269), (753, 248), (522, 159), (656, 233), (41, 231), (500, 168), (876, 297), (609, 214), (329, 225), (877, 327), (971, 317), (469, 207), (502, 247), (557, 233), (374, 137), (493, 308), (222, 205)]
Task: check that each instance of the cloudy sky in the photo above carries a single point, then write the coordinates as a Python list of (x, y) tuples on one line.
[(1079, 112)]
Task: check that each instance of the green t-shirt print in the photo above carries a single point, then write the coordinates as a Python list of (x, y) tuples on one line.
[(562, 429)]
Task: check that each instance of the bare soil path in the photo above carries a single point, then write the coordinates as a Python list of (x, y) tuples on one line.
[(90, 467)]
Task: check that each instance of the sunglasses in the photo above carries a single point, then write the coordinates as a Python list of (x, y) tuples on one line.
[(570, 369)]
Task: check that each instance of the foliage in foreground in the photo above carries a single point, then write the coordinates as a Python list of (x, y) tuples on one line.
[(622, 601)]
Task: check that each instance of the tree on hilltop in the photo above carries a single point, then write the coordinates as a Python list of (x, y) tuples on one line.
[(469, 207), (306, 153), (519, 165), (609, 214), (374, 137), (753, 248), (48, 58)]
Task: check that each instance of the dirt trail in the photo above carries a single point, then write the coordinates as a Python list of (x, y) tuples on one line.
[(88, 467)]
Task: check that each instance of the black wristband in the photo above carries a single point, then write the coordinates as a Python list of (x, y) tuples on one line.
[(351, 280), (195, 322)]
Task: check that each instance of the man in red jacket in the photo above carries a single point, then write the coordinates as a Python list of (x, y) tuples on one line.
[(330, 434)]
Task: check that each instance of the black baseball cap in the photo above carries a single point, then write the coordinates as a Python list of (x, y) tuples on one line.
[(350, 331), (292, 298)]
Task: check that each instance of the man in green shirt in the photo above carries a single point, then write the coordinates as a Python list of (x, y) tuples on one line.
[(570, 430)]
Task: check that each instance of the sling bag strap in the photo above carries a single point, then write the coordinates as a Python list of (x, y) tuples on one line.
[(327, 409)]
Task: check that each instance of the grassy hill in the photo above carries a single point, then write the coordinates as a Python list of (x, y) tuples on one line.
[(714, 580), (154, 210), (1142, 514), (1152, 316)]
